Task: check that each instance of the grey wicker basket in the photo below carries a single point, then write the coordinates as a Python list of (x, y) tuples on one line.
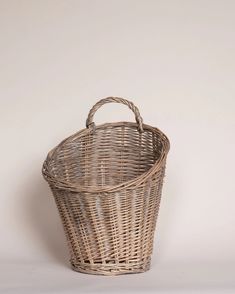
[(107, 182)]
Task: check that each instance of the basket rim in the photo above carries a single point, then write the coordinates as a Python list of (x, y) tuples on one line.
[(73, 187)]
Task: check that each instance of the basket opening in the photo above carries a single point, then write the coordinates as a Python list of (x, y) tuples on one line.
[(110, 156)]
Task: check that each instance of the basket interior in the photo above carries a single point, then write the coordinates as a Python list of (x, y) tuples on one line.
[(109, 156)]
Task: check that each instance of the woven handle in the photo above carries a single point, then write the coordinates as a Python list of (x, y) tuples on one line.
[(138, 118)]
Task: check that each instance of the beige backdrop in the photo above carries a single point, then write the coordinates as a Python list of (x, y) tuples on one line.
[(176, 60)]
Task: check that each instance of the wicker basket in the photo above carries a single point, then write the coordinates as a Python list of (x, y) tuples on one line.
[(107, 182)]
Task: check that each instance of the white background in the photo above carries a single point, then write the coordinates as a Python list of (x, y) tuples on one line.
[(176, 61)]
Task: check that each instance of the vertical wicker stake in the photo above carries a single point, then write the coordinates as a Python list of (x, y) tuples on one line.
[(107, 183)]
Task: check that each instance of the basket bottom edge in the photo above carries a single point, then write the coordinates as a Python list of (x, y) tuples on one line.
[(112, 270)]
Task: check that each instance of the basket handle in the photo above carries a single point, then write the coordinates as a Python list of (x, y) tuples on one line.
[(138, 118)]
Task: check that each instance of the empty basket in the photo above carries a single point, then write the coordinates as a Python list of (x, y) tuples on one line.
[(107, 183)]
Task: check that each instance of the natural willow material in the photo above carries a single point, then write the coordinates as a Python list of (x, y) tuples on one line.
[(107, 182)]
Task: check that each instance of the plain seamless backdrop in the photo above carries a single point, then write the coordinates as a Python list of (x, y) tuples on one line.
[(176, 60)]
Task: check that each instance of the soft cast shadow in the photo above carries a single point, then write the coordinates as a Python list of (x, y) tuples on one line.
[(43, 219)]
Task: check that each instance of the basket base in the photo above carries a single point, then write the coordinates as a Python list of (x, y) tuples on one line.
[(111, 268)]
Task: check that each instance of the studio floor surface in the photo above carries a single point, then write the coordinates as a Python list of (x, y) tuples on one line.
[(36, 277)]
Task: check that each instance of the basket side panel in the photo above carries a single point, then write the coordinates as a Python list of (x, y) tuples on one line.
[(112, 230)]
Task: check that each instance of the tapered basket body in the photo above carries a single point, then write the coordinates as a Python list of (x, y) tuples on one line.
[(107, 183)]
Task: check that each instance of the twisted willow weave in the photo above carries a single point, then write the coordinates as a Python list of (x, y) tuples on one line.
[(107, 183)]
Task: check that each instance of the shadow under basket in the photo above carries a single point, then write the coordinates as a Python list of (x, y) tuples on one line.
[(107, 183)]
